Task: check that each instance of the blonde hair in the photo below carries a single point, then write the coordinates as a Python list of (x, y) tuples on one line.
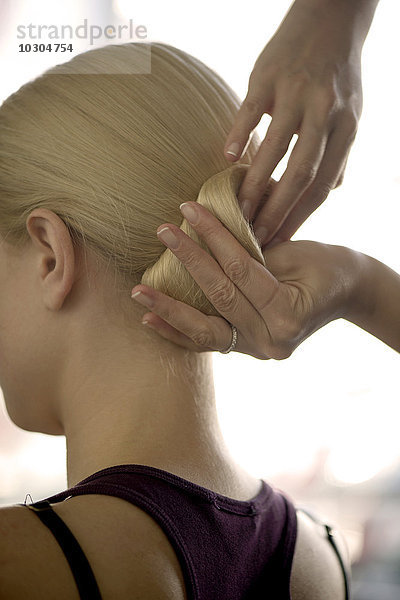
[(114, 155)]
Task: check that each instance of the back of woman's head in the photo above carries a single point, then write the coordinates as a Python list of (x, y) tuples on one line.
[(114, 155)]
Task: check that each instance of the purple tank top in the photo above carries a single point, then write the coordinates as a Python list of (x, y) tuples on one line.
[(228, 549)]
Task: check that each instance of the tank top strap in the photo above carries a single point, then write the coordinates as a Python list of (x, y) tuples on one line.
[(80, 566)]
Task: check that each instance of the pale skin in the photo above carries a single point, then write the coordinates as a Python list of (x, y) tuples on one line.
[(70, 365)]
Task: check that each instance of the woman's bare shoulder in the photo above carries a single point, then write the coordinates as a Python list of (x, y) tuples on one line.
[(127, 551), (316, 571)]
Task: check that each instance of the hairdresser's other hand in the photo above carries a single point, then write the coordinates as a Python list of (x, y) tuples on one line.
[(308, 78), (306, 285)]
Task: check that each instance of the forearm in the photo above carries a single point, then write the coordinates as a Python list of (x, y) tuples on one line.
[(355, 15), (375, 304)]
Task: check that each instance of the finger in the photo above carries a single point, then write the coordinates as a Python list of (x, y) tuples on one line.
[(272, 149), (172, 334), (256, 103), (301, 171), (181, 323), (339, 145), (237, 284)]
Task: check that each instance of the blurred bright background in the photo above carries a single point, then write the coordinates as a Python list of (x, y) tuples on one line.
[(323, 424)]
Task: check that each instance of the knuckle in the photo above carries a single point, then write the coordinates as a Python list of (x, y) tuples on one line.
[(252, 105), (278, 141), (351, 124), (254, 181), (223, 297), (266, 347), (167, 313), (190, 259), (282, 352), (237, 271), (207, 227), (264, 350), (292, 329), (286, 329), (201, 337), (299, 79), (304, 172), (323, 188), (329, 100), (279, 328)]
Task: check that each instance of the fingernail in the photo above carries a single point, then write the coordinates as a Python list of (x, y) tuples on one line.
[(143, 299), (246, 208), (168, 238), (261, 234), (190, 213), (233, 149)]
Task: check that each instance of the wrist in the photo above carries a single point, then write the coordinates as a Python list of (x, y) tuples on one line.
[(376, 301), (361, 300)]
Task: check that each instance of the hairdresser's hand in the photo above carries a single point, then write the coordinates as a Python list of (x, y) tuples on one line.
[(306, 285), (308, 78)]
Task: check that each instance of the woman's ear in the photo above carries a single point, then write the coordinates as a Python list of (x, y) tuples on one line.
[(55, 255)]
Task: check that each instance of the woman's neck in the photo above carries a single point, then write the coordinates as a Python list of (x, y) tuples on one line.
[(132, 410)]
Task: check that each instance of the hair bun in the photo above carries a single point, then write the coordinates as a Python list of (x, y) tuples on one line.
[(219, 195)]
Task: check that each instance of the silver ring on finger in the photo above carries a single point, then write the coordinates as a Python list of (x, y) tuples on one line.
[(233, 342)]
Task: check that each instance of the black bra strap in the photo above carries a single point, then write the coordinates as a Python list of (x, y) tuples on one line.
[(81, 569), (331, 539)]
